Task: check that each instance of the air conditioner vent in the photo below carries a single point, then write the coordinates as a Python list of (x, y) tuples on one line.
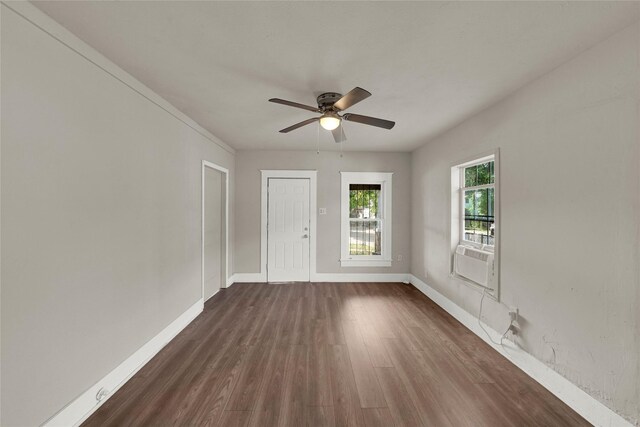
[(482, 256), (474, 265)]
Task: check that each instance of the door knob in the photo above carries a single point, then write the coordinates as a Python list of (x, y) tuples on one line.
[(306, 236)]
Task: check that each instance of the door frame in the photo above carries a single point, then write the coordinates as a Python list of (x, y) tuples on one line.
[(312, 175), (206, 164)]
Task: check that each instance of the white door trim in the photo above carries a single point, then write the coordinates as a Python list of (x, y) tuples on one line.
[(225, 171), (312, 176)]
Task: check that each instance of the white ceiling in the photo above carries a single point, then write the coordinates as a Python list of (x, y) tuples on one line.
[(429, 65)]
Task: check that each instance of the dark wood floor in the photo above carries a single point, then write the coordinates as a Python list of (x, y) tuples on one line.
[(330, 354)]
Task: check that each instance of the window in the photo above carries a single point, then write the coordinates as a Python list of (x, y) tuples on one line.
[(475, 223), (478, 203), (366, 219)]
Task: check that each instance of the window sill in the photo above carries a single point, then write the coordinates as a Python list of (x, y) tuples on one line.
[(365, 263)]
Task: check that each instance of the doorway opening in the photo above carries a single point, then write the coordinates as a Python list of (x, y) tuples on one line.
[(215, 228)]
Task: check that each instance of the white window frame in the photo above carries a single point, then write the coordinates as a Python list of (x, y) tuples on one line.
[(456, 215), (385, 181)]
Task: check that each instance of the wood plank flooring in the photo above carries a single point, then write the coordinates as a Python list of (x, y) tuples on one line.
[(329, 354)]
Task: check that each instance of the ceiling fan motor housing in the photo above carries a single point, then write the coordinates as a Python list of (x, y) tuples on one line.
[(326, 100)]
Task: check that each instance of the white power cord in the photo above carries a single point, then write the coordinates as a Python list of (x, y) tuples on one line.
[(484, 293)]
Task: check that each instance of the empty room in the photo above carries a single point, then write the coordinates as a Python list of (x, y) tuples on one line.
[(320, 213)]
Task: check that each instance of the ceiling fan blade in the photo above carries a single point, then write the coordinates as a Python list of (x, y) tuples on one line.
[(353, 97), (338, 134), (295, 104), (366, 120), (299, 125)]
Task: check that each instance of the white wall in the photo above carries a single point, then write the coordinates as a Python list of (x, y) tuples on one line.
[(101, 216), (328, 164), (570, 217)]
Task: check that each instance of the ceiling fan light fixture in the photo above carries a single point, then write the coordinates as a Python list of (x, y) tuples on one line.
[(329, 121)]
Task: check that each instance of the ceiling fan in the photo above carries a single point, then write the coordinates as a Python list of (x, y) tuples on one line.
[(330, 105)]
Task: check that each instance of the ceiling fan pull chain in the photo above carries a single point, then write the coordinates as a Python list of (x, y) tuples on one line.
[(318, 139)]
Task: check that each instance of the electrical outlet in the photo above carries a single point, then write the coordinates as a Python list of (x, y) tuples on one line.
[(513, 315), (399, 257), (322, 211)]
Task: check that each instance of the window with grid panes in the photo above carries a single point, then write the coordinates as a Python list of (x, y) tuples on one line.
[(366, 219), (478, 203)]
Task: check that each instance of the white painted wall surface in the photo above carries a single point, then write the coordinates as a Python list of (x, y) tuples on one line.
[(101, 218), (570, 161), (328, 164)]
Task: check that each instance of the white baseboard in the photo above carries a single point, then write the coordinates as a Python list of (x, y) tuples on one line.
[(359, 277), (587, 406), (230, 280), (248, 278), (329, 277), (86, 404)]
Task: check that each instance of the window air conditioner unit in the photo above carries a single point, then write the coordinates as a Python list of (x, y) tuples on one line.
[(474, 264)]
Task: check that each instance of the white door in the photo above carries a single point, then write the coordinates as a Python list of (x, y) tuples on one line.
[(288, 230)]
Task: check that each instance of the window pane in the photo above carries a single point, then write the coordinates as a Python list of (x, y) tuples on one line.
[(469, 203), (479, 220), (364, 201), (470, 176), (364, 238), (490, 204), (481, 174), (493, 172), (482, 201)]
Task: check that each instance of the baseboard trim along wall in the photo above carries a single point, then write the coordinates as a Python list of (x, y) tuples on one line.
[(327, 277), (588, 407), (359, 277), (86, 404), (248, 278), (230, 280)]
